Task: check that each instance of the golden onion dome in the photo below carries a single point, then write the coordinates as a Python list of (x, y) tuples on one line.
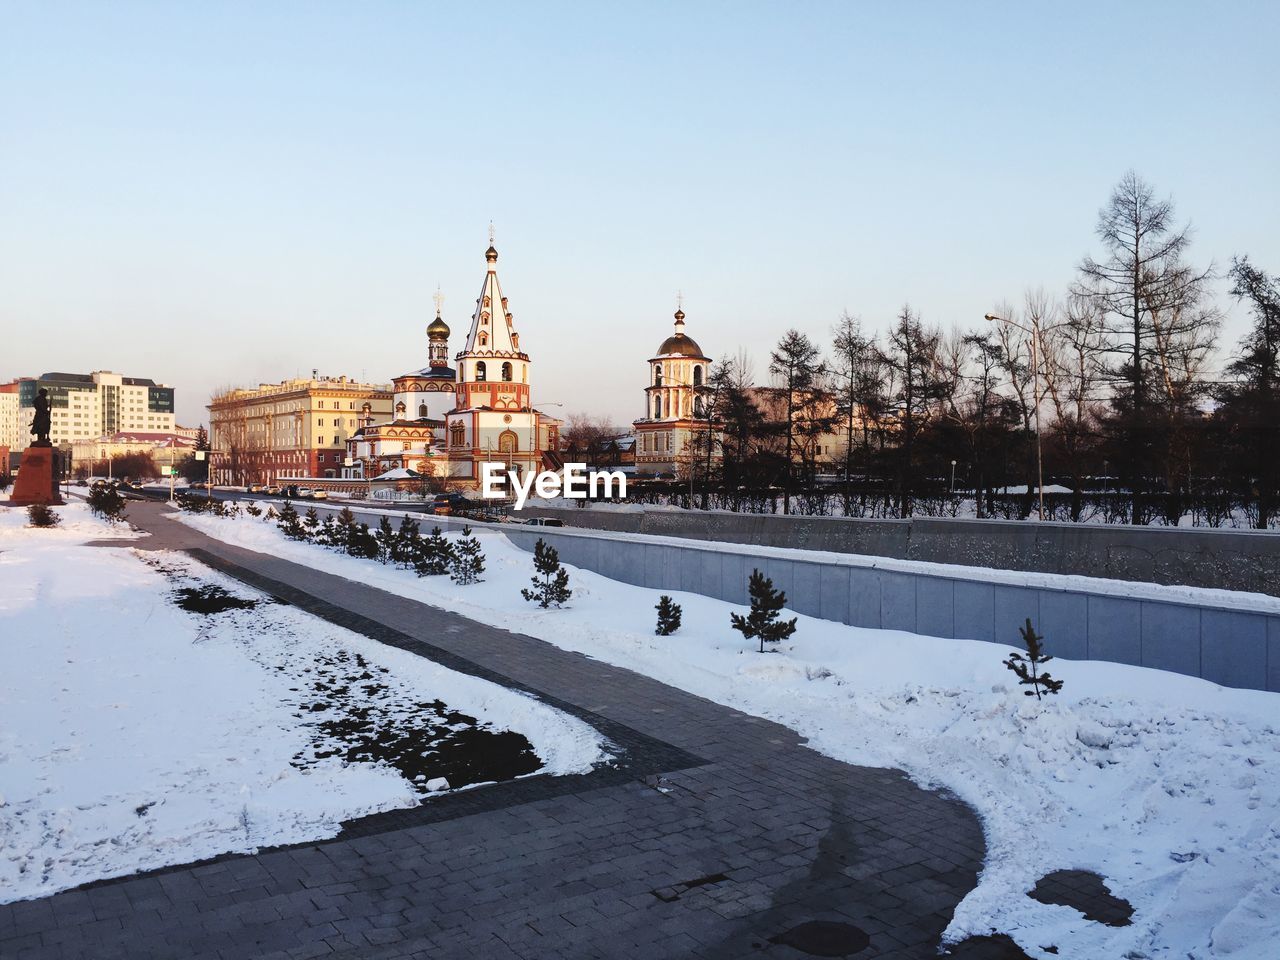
[(680, 345), (438, 329)]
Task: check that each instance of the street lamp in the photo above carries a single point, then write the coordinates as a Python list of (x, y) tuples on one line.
[(1033, 333), (953, 476)]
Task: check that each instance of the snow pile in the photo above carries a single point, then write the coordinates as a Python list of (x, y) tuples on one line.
[(135, 735), (76, 524), (1166, 785)]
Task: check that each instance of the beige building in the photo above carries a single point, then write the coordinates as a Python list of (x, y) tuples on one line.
[(166, 449), (86, 406), (295, 429)]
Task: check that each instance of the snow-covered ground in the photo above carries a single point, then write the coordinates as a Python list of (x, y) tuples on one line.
[(1166, 785), (135, 735)]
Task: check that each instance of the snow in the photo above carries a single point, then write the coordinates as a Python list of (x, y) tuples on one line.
[(1167, 785), (135, 735)]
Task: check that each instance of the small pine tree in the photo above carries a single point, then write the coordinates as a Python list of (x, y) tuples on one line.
[(466, 559), (40, 515), (328, 535), (363, 543), (311, 522), (386, 537), (289, 524), (253, 510), (405, 546), (270, 515), (553, 587), (1027, 667), (105, 502), (433, 555), (668, 616), (766, 604)]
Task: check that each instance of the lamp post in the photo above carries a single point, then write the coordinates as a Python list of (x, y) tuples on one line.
[(1033, 333), (953, 476)]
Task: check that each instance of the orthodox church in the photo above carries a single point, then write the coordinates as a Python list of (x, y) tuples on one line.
[(447, 421), (666, 434)]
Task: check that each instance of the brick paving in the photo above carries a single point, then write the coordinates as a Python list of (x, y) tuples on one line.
[(716, 832)]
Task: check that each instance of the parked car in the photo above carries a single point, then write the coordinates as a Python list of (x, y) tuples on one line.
[(318, 494), (253, 488), (304, 493), (545, 522), (272, 490), (449, 503)]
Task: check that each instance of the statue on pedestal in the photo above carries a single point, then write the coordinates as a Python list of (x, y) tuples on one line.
[(40, 424)]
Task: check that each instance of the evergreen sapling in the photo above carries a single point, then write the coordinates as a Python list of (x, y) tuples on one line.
[(289, 524), (386, 537), (668, 616), (553, 587), (766, 604), (311, 523), (434, 555), (466, 560), (1027, 667), (406, 543)]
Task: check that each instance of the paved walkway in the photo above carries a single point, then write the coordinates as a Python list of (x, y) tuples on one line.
[(718, 833)]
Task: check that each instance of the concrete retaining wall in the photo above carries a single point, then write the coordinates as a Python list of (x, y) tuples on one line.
[(1247, 560), (1236, 644)]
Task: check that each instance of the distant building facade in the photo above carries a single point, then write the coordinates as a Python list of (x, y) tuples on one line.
[(293, 429), (85, 406), (166, 449), (14, 433)]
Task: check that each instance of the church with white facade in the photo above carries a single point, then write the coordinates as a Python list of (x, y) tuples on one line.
[(674, 420), (447, 421)]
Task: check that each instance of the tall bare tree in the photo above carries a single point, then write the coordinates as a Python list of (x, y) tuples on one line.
[(1146, 293), (911, 352)]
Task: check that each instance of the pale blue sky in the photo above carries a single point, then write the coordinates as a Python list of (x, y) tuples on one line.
[(223, 193)]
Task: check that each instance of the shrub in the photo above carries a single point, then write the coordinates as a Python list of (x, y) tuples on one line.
[(289, 524), (668, 616), (386, 537), (405, 548), (766, 604), (551, 582), (41, 515)]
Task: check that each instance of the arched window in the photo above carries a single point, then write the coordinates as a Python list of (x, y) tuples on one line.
[(399, 410), (506, 373), (657, 408), (657, 375), (508, 442), (457, 435), (697, 407), (482, 374), (697, 375), (422, 411)]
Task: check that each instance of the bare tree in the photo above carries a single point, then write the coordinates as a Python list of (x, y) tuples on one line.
[(911, 351), (1141, 288)]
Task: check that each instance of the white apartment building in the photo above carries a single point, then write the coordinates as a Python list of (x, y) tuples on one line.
[(86, 406), (11, 423)]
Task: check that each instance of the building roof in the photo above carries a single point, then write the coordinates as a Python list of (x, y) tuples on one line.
[(147, 436), (679, 344), (491, 317), (430, 373), (399, 473)]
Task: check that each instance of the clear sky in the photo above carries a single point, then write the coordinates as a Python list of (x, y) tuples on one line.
[(219, 193)]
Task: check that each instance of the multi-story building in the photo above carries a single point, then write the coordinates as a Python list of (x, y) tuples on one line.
[(85, 406), (674, 423), (296, 428), (14, 429)]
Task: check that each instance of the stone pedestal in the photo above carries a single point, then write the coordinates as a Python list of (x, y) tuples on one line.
[(37, 480)]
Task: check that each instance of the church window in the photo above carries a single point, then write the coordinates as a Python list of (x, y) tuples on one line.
[(482, 373), (422, 411), (484, 340), (657, 408), (697, 376), (457, 435), (697, 407), (657, 375), (508, 442), (506, 373)]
